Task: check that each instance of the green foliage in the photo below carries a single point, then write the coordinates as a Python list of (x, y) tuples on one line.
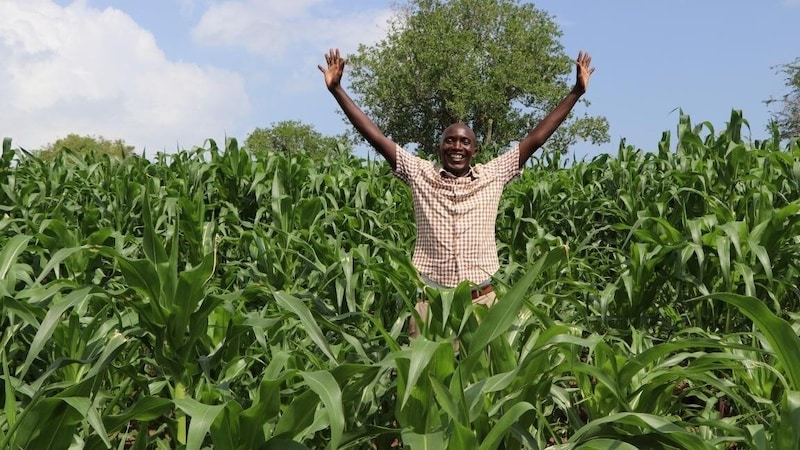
[(496, 65), (787, 117), (294, 136), (235, 299), (87, 145)]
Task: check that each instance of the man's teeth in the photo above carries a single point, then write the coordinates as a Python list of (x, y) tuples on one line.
[(456, 157)]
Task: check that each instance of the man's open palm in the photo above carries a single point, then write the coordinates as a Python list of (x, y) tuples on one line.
[(333, 74), (584, 71)]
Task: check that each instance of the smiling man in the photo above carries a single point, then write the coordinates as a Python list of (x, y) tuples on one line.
[(455, 205)]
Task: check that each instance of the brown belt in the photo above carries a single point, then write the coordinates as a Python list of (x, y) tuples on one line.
[(481, 291)]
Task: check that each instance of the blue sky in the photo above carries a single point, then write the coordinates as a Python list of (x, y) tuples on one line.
[(168, 74)]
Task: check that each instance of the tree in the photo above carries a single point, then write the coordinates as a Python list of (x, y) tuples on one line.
[(87, 145), (294, 136), (496, 65), (787, 118)]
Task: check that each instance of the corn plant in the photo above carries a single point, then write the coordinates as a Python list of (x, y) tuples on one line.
[(223, 298)]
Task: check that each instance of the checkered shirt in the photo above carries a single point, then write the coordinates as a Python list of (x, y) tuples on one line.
[(456, 216)]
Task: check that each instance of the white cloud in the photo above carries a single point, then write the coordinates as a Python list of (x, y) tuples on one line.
[(78, 69), (276, 27)]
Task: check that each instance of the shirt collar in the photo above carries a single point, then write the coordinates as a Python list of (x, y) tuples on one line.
[(473, 173)]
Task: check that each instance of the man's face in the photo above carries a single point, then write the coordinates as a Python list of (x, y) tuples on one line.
[(457, 149)]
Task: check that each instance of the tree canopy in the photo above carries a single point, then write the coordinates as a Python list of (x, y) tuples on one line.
[(496, 65), (87, 145), (293, 136), (787, 117)]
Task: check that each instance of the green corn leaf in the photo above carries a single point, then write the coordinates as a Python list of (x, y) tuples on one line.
[(785, 212), (420, 356), (191, 292), (495, 383), (779, 333), (325, 386), (724, 253), (11, 251), (603, 378), (462, 437), (648, 423), (644, 360), (503, 426), (84, 406), (734, 231), (226, 431), (298, 416), (264, 409), (522, 433), (113, 346), (502, 315), (280, 202), (152, 245), (428, 441), (787, 432), (146, 409), (297, 307), (48, 326), (57, 258), (24, 311), (10, 394), (758, 437), (141, 275), (6, 147), (202, 417), (446, 400), (606, 444), (283, 444), (61, 419)]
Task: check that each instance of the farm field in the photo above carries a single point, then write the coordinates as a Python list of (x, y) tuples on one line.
[(217, 298)]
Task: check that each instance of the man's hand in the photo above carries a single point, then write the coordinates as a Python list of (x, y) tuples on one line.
[(365, 127), (584, 71), (544, 129), (333, 74)]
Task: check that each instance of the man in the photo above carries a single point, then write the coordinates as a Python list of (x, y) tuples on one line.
[(455, 206)]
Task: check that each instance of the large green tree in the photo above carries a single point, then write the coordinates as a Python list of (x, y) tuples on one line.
[(97, 145), (787, 116), (294, 136), (496, 65)]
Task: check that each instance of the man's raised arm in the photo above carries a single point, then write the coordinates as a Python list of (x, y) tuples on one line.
[(362, 123), (544, 129)]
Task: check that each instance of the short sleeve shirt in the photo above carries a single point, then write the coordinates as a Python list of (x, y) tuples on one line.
[(456, 216)]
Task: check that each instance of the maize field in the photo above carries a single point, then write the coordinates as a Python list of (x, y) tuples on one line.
[(220, 298)]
